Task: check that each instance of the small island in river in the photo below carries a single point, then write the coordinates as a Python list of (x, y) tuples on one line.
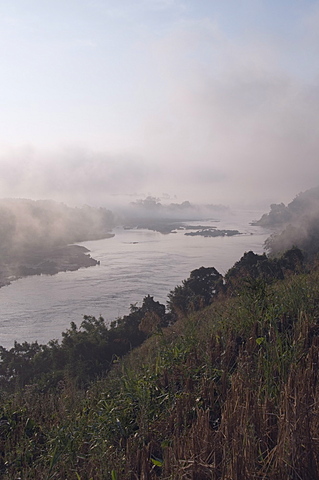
[(213, 232), (39, 237), (165, 226)]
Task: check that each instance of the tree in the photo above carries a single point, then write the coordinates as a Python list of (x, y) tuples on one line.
[(197, 291)]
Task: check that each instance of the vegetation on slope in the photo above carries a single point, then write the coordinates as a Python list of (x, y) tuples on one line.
[(222, 386)]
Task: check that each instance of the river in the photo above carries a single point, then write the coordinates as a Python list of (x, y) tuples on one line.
[(133, 264)]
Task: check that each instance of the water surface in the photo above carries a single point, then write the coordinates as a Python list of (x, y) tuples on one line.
[(133, 264)]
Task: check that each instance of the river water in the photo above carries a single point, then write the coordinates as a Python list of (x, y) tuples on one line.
[(133, 264)]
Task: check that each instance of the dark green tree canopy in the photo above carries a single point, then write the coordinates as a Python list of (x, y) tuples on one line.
[(197, 291)]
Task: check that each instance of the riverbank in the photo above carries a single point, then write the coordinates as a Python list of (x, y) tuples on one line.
[(46, 261), (134, 263)]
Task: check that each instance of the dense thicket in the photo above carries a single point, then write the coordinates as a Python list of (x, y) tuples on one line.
[(84, 353)]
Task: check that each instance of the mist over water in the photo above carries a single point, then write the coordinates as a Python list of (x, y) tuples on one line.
[(134, 263)]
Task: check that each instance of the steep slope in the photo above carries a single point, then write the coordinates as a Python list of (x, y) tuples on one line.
[(228, 391)]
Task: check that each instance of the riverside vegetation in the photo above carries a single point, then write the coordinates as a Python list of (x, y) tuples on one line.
[(222, 384)]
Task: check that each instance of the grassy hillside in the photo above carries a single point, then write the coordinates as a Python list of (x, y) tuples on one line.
[(225, 389)]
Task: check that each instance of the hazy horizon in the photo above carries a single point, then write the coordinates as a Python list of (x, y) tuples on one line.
[(207, 101)]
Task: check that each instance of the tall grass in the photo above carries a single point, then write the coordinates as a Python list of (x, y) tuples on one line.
[(230, 392)]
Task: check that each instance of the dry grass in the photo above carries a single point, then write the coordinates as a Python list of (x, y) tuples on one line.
[(228, 394), (237, 428)]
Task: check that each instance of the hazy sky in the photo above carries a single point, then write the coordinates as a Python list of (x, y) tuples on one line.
[(214, 101)]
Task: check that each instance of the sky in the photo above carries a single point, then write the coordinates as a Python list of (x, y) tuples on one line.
[(211, 101)]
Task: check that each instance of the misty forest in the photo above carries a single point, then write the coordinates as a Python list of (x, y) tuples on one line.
[(219, 383)]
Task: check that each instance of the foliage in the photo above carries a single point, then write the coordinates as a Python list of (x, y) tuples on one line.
[(195, 292), (228, 391), (260, 267), (84, 353)]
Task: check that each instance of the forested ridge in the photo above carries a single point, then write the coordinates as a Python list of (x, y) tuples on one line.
[(222, 383)]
